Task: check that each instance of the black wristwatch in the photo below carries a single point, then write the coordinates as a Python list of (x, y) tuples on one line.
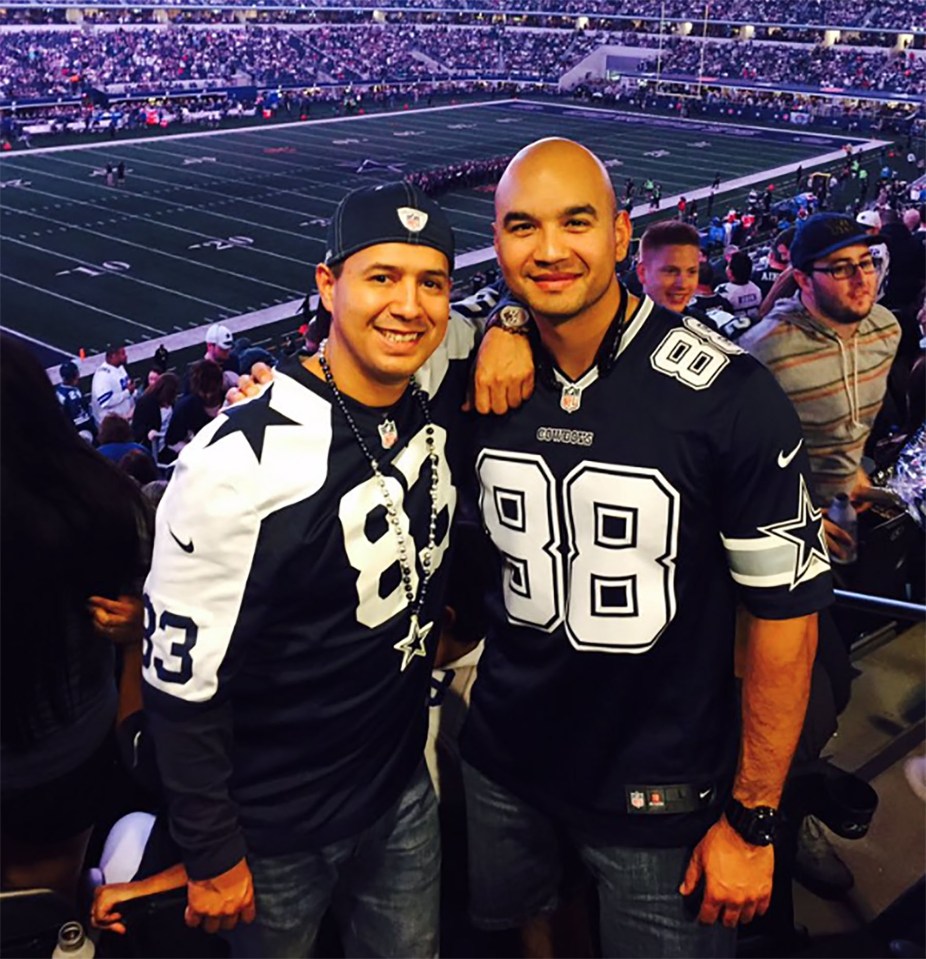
[(511, 318), (757, 825)]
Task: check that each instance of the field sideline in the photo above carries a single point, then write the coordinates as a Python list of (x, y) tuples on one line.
[(226, 225)]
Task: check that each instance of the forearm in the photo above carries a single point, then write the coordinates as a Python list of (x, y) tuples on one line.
[(777, 662), (194, 763), (130, 696), (171, 878)]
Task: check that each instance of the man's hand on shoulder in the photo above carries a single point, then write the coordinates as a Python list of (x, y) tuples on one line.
[(503, 377), (219, 903), (737, 876), (249, 385)]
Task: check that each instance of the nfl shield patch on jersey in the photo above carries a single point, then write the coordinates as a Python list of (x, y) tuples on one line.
[(571, 398)]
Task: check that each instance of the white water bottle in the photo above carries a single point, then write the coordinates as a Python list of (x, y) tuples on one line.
[(73, 943), (842, 513)]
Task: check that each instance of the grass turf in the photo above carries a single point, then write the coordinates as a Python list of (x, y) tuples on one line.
[(210, 226)]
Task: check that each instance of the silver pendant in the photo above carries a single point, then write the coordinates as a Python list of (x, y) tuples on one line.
[(571, 398), (388, 434), (413, 644)]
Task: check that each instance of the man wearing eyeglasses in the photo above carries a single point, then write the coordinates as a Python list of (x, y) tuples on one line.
[(831, 347)]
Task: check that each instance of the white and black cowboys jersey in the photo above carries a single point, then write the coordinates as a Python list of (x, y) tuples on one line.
[(285, 709), (632, 510)]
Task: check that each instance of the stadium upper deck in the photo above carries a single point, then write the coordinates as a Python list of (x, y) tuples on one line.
[(114, 60), (895, 15)]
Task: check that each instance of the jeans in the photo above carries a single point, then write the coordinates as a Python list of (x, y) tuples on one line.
[(516, 866), (383, 886)]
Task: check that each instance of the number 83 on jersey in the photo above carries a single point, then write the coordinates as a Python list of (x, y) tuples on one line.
[(595, 554)]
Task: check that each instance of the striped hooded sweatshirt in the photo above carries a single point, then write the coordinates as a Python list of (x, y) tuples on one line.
[(837, 385)]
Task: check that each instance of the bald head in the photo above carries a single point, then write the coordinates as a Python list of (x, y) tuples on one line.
[(553, 158), (558, 234)]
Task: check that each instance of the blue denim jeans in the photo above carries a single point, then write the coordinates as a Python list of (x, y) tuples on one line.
[(515, 868), (383, 886)]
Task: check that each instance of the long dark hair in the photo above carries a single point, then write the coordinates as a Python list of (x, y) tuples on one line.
[(206, 382), (165, 388), (69, 529)]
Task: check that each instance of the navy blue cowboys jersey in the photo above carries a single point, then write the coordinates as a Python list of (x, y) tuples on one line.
[(75, 406), (631, 511), (286, 711)]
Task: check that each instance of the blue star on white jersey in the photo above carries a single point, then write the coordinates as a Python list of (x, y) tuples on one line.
[(252, 419), (805, 532)]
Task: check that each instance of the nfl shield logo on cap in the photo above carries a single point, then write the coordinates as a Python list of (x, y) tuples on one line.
[(413, 220)]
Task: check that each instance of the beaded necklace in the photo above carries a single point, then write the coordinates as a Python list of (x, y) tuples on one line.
[(413, 643)]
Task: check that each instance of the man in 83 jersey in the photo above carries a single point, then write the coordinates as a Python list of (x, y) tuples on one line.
[(656, 478), (292, 603)]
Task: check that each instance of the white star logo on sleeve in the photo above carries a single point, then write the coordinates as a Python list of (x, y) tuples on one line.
[(413, 644), (806, 534)]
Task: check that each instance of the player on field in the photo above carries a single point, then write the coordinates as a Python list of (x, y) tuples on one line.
[(656, 478), (294, 602)]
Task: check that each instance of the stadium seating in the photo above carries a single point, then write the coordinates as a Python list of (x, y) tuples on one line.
[(56, 63), (890, 14)]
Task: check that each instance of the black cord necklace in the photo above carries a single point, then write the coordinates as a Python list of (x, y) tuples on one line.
[(413, 643), (605, 358)]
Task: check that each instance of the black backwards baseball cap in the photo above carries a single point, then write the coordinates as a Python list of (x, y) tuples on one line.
[(390, 213), (825, 233)]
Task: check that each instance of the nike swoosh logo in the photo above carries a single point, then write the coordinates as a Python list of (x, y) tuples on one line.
[(704, 793), (186, 547), (785, 458)]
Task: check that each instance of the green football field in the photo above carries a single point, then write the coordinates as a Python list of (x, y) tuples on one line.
[(210, 226)]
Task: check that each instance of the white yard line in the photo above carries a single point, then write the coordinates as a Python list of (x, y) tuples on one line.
[(68, 299), (124, 143)]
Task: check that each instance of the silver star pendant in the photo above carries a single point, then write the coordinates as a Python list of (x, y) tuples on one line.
[(414, 643)]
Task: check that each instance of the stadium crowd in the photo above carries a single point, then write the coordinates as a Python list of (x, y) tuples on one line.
[(67, 63), (889, 15), (892, 13), (825, 68)]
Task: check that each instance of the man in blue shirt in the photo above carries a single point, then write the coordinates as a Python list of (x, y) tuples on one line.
[(75, 405)]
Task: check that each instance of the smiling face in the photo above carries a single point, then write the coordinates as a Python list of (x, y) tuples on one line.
[(390, 304), (669, 275), (558, 235)]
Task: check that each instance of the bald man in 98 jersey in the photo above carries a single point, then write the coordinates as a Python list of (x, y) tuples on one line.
[(656, 478)]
